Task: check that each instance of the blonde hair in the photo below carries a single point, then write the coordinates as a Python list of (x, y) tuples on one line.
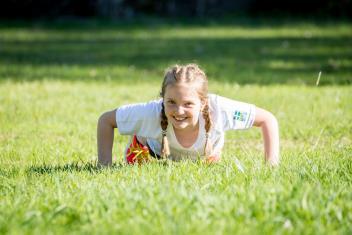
[(189, 73)]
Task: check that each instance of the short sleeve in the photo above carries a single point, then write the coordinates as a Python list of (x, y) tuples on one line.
[(235, 115), (139, 119)]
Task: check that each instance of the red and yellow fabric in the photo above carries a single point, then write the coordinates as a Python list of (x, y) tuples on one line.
[(137, 152)]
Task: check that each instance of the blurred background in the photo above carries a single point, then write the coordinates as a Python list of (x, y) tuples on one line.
[(117, 9), (243, 41)]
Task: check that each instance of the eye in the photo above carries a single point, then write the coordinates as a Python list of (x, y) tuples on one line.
[(171, 102), (188, 104)]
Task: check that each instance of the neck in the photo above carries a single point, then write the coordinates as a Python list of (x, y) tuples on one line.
[(187, 130), (187, 137)]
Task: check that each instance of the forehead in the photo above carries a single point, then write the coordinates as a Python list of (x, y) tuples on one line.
[(181, 91)]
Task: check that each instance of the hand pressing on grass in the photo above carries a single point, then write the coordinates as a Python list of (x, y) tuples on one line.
[(270, 130), (212, 159)]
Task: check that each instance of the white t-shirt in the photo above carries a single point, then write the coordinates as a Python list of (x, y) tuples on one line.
[(143, 120)]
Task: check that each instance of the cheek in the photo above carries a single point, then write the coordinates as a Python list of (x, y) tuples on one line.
[(168, 111)]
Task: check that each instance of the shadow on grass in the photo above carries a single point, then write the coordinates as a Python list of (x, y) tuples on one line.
[(90, 167), (119, 54)]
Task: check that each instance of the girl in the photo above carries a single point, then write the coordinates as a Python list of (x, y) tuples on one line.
[(186, 123)]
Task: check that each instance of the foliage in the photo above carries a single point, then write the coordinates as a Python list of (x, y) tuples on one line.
[(123, 9)]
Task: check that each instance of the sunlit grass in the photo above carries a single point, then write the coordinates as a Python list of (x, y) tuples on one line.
[(54, 84), (242, 53)]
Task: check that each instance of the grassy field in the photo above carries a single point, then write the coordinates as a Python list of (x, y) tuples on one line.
[(56, 79)]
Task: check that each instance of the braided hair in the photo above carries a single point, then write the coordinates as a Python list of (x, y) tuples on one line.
[(165, 150), (189, 73)]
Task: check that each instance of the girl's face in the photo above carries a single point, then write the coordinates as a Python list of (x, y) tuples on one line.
[(182, 106)]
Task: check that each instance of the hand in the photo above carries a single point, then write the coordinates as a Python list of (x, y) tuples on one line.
[(273, 162), (212, 159)]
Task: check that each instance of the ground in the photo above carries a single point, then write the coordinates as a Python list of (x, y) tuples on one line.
[(56, 79)]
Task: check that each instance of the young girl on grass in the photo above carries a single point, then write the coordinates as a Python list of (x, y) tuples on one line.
[(186, 123)]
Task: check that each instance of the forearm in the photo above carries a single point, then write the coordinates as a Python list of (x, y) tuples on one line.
[(270, 131), (105, 138)]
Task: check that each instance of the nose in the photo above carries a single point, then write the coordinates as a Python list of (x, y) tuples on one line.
[(179, 110)]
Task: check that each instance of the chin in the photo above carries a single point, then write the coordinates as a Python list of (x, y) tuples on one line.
[(180, 126)]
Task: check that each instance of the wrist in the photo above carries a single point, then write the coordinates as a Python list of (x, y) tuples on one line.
[(273, 161)]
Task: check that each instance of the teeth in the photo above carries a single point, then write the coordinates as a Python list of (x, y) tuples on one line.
[(180, 119)]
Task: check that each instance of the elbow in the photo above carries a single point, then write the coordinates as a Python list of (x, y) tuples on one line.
[(271, 122), (264, 118), (273, 119), (107, 118), (268, 119)]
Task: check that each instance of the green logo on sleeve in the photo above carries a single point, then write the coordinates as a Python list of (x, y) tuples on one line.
[(240, 116)]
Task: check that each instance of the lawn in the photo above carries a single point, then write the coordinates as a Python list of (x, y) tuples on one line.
[(56, 79)]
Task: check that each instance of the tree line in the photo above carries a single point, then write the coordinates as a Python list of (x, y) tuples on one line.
[(126, 9)]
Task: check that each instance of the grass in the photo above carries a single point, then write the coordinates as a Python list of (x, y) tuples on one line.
[(263, 54), (55, 81)]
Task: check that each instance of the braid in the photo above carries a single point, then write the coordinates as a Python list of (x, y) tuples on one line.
[(188, 74), (207, 126), (165, 150)]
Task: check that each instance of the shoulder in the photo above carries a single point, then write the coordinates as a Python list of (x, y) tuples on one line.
[(212, 100), (147, 109), (217, 102), (232, 114), (221, 102), (149, 104), (217, 99), (140, 119)]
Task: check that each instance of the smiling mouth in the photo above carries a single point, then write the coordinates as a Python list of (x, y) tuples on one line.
[(179, 119)]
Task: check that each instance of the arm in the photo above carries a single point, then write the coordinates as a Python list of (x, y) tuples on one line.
[(105, 137), (270, 130)]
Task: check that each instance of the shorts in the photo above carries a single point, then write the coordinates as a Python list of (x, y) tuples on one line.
[(138, 153)]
